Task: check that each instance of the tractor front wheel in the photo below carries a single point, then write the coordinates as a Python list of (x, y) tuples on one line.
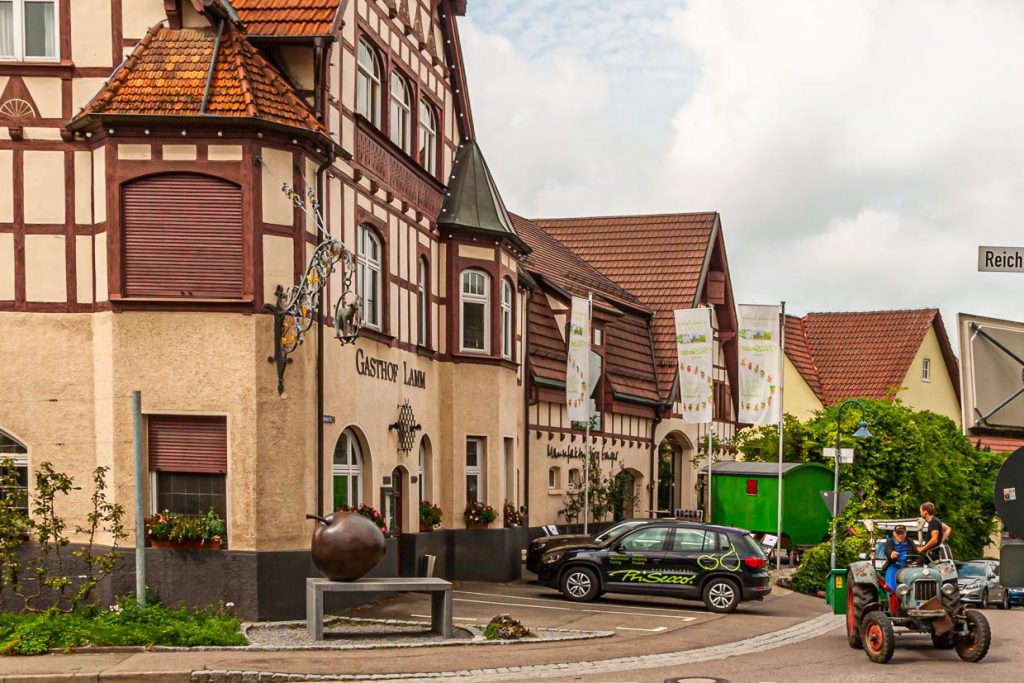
[(973, 646), (879, 638)]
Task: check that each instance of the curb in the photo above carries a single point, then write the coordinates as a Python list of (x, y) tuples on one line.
[(799, 632)]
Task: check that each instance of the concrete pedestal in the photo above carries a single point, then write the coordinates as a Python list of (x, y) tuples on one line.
[(440, 592)]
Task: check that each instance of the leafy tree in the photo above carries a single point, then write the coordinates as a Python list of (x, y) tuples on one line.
[(912, 457)]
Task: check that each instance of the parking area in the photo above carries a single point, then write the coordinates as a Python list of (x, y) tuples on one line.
[(540, 607)]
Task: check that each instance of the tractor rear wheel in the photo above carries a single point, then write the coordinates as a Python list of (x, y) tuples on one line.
[(973, 646), (879, 638), (858, 596)]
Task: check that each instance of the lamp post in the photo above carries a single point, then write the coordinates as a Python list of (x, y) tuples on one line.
[(861, 433)]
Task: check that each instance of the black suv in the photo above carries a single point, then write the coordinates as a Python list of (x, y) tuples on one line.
[(720, 565)]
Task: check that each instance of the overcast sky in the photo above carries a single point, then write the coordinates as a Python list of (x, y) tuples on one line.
[(858, 152)]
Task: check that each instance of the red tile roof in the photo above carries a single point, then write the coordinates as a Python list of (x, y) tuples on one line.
[(799, 353), (862, 354), (166, 76), (996, 444), (287, 18), (659, 258), (629, 363)]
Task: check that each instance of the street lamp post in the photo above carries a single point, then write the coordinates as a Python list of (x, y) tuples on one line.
[(861, 433)]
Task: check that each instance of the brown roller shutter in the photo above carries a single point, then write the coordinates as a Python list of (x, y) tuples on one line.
[(188, 443), (182, 237)]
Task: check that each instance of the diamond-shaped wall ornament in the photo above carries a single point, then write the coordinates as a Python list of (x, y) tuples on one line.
[(406, 426)]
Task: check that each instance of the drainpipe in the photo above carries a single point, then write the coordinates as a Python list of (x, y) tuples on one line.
[(526, 412)]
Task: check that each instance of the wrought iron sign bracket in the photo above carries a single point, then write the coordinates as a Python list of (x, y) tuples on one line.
[(406, 426)]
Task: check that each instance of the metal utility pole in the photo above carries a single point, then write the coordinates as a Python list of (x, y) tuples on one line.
[(140, 515)]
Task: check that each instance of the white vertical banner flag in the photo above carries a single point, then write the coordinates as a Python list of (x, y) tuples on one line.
[(759, 364), (577, 371), (693, 349)]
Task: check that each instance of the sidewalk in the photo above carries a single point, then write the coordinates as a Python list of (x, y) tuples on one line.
[(781, 620)]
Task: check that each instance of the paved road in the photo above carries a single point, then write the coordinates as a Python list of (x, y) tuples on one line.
[(829, 658)]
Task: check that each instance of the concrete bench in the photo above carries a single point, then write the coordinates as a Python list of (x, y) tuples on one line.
[(440, 599)]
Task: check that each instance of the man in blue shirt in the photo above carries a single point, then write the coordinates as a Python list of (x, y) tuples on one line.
[(896, 550)]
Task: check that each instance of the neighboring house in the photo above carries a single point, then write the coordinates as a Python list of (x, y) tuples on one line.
[(667, 262), (626, 397), (870, 354)]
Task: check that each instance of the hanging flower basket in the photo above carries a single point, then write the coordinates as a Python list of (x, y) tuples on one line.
[(430, 516), (478, 515)]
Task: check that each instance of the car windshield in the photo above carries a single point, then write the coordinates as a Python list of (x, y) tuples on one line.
[(614, 532), (972, 570)]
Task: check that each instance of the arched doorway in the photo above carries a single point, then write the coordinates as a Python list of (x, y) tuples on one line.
[(675, 473)]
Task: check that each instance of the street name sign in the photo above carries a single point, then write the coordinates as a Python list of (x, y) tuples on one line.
[(1001, 259), (844, 498), (845, 455)]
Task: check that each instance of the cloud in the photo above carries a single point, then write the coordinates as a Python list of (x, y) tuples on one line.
[(858, 152)]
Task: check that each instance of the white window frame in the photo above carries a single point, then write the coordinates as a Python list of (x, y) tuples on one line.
[(400, 125), (424, 468), (475, 298), (368, 73), (18, 37), (577, 480), (598, 336), (428, 137), (926, 370), (20, 461), (509, 445), (423, 302), (350, 470), (554, 479), (369, 268), (478, 470), (507, 298)]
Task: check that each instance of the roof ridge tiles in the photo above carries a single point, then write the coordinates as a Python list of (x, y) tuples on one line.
[(623, 216), (933, 309)]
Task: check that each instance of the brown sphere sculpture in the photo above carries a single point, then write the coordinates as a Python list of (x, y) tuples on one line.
[(346, 545)]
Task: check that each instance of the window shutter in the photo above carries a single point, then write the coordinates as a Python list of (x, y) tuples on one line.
[(188, 443), (182, 237)]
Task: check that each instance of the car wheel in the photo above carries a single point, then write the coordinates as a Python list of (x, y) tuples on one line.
[(973, 646), (1005, 604), (879, 638), (579, 584), (984, 599), (721, 595)]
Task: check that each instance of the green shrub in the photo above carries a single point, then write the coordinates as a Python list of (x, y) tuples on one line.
[(124, 623), (814, 566)]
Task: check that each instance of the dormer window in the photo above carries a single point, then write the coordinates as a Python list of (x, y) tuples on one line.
[(401, 113), (474, 332), (368, 83), (28, 30)]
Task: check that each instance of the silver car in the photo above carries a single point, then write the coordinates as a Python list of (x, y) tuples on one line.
[(979, 584)]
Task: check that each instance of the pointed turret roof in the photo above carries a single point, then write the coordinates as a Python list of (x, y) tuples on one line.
[(473, 201)]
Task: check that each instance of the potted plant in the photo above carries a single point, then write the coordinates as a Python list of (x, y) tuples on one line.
[(430, 515), (512, 516), (370, 513), (478, 515), (188, 532)]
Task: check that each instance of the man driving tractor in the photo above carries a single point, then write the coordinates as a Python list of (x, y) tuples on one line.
[(896, 550)]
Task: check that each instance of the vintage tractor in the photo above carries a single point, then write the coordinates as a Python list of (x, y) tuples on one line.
[(925, 599)]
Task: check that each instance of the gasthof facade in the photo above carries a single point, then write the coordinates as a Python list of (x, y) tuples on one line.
[(145, 233)]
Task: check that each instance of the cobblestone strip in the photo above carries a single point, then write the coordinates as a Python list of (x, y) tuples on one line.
[(768, 641)]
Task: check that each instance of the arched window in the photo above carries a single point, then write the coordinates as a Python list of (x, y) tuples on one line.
[(347, 471), (475, 330), (428, 138), (423, 302), (368, 284), (368, 83), (575, 480), (554, 478), (425, 469), (506, 318), (14, 453), (401, 113)]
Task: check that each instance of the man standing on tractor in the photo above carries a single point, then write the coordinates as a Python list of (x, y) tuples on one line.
[(935, 530), (896, 550)]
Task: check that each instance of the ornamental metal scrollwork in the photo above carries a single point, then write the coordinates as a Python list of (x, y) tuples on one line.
[(406, 426), (296, 306)]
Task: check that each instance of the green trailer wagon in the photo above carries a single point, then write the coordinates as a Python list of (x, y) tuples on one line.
[(746, 496)]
